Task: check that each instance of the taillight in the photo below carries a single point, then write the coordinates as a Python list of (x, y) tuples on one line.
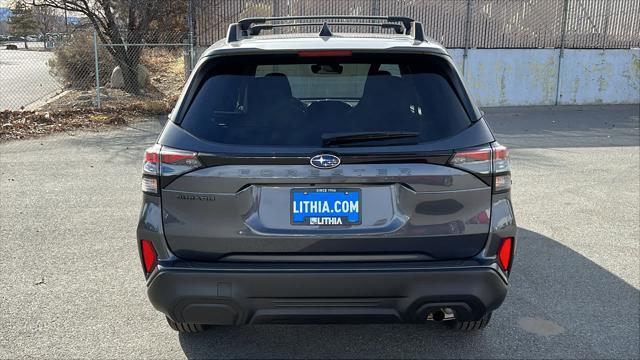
[(501, 168), (504, 253), (487, 160), (151, 160), (149, 257), (501, 161), (151, 169), (164, 161), (474, 160)]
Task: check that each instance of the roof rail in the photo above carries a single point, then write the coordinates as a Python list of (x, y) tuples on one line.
[(253, 26), (256, 29)]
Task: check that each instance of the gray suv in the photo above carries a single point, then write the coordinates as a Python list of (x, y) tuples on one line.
[(323, 177)]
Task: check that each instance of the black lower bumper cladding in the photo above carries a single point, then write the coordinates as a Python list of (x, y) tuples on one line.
[(215, 297)]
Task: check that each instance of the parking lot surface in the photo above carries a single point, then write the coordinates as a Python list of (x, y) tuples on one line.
[(72, 284), (25, 78)]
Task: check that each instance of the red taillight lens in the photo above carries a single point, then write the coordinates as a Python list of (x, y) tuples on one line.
[(175, 162), (170, 156), (149, 257), (504, 253), (324, 53)]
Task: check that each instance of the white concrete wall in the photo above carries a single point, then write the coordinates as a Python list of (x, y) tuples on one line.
[(511, 77), (600, 77)]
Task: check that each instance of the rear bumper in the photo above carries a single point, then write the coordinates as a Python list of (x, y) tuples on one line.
[(384, 293)]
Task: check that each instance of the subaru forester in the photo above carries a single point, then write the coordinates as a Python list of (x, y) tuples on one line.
[(326, 177)]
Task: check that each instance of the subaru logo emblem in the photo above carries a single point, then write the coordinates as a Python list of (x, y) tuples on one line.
[(325, 161)]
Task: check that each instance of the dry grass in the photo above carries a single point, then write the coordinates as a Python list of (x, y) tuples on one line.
[(27, 124), (167, 69), (163, 60)]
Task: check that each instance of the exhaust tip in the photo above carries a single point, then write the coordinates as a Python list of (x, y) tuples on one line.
[(438, 315), (443, 314)]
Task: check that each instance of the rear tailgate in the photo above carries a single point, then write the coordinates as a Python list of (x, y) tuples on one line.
[(407, 211), (253, 110)]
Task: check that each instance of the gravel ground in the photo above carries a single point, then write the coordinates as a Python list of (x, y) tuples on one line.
[(72, 285)]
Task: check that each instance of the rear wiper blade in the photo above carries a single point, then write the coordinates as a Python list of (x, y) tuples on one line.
[(356, 137)]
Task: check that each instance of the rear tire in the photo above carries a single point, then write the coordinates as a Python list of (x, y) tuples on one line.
[(471, 325), (185, 327)]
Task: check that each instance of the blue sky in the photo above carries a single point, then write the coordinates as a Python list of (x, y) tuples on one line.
[(4, 13)]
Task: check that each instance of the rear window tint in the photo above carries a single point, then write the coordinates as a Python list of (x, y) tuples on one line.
[(291, 101)]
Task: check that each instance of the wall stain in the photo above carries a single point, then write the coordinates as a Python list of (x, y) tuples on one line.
[(503, 88), (544, 75), (632, 74), (575, 86)]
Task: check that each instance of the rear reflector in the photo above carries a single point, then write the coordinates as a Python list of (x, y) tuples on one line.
[(149, 257), (504, 253), (324, 53)]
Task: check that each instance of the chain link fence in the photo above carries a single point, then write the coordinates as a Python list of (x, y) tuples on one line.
[(82, 71), (74, 70), (457, 23), (148, 74)]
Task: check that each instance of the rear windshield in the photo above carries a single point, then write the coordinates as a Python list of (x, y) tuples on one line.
[(299, 101)]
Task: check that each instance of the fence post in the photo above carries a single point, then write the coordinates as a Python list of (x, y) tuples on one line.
[(191, 37), (375, 7), (605, 31), (563, 33), (467, 33), (95, 54)]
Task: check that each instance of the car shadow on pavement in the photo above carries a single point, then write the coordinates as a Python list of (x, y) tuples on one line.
[(560, 305)]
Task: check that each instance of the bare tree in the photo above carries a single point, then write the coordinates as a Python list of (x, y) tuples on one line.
[(116, 22)]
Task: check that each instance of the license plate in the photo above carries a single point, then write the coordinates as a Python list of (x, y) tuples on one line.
[(326, 207)]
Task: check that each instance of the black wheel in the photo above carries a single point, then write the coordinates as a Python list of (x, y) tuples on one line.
[(185, 327), (470, 325)]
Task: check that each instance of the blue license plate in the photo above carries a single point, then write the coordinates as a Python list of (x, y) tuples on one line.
[(326, 207)]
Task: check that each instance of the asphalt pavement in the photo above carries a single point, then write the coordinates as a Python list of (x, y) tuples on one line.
[(72, 285), (25, 78)]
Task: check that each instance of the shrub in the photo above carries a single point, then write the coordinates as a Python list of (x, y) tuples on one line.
[(74, 62)]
